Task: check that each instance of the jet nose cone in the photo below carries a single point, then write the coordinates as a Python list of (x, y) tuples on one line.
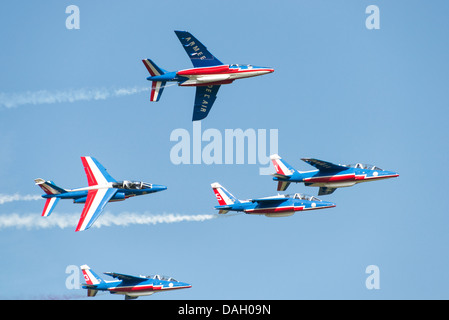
[(264, 70), (158, 187), (388, 174), (267, 70), (184, 285), (327, 204), (324, 204)]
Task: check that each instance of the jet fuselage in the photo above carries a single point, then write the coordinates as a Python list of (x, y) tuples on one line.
[(222, 74), (276, 208), (346, 178)]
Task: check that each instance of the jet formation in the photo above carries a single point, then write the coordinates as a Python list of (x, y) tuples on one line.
[(207, 76)]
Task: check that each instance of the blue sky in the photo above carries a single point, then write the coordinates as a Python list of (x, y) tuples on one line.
[(340, 92)]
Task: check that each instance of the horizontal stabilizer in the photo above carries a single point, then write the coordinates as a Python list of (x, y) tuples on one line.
[(283, 185), (91, 292), (157, 87), (282, 176), (50, 204)]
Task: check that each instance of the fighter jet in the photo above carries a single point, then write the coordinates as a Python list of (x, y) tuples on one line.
[(130, 286), (328, 177), (207, 76), (101, 190), (276, 206)]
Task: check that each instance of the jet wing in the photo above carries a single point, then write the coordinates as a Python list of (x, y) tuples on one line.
[(324, 165), (197, 52), (325, 190), (95, 172), (125, 277), (204, 99), (95, 202), (276, 199)]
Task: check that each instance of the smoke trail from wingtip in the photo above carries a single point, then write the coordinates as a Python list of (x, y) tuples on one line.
[(12, 100), (62, 221), (4, 198)]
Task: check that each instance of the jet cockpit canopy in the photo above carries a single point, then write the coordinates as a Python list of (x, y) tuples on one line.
[(241, 66), (126, 184), (363, 166), (303, 196), (161, 277)]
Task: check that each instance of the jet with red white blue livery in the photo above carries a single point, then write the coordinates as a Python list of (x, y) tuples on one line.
[(207, 75), (130, 286), (101, 190), (275, 206), (328, 177)]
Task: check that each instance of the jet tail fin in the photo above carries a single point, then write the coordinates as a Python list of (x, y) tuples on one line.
[(283, 169), (157, 86), (49, 187), (224, 197), (92, 279), (152, 68)]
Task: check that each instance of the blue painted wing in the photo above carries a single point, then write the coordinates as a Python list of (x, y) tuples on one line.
[(204, 99), (276, 199), (125, 277), (197, 52), (324, 165)]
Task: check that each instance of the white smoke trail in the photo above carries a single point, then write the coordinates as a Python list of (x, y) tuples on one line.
[(12, 100), (35, 221), (4, 198)]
